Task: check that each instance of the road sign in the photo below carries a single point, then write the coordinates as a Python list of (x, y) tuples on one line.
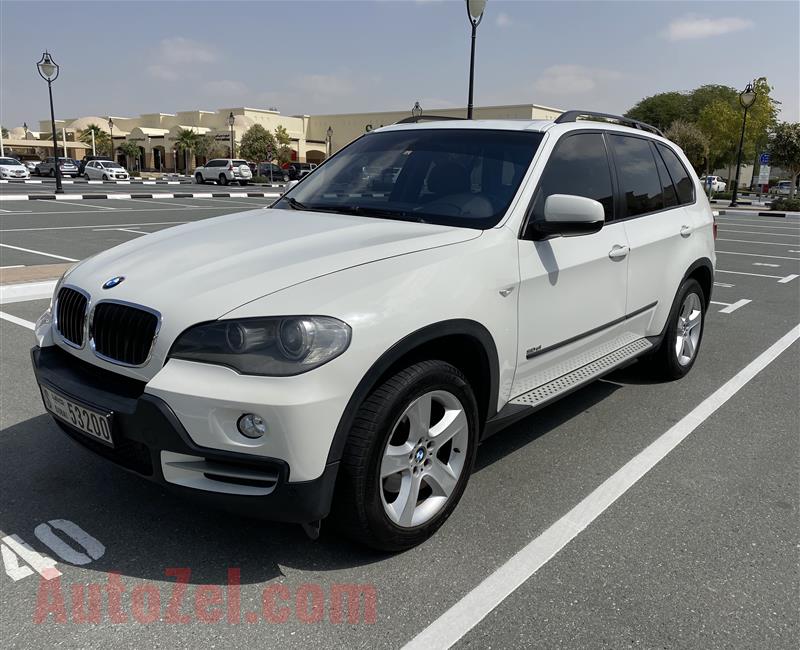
[(763, 174), (764, 159)]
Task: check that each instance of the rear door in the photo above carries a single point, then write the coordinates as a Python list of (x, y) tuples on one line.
[(657, 225), (572, 296)]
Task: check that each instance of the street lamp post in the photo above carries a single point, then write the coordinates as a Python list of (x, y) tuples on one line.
[(475, 9), (111, 137), (231, 120), (25, 128), (747, 98), (329, 140), (416, 112), (48, 70)]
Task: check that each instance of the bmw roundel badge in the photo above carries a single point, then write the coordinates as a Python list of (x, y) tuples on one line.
[(113, 282)]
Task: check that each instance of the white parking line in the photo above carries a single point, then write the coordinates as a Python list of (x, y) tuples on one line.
[(29, 250), (451, 626), (110, 226), (772, 266), (81, 205), (757, 232), (17, 321), (26, 291), (749, 241), (136, 232), (730, 307), (724, 285), (726, 224), (772, 257), (781, 279), (13, 266)]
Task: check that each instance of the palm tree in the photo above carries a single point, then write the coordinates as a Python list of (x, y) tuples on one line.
[(129, 150), (102, 141), (186, 141)]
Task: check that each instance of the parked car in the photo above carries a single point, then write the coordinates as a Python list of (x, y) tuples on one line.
[(11, 168), (106, 170), (86, 159), (345, 351), (781, 188), (717, 184), (298, 170), (66, 165), (31, 165), (224, 171), (273, 171)]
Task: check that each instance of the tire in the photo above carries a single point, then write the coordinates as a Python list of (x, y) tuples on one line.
[(223, 180), (369, 509), (667, 363), (243, 183), (87, 177), (198, 178), (52, 173), (105, 177)]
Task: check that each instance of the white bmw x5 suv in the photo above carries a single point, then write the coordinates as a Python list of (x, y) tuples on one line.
[(345, 350)]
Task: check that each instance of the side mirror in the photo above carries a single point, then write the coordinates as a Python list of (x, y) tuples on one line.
[(568, 215)]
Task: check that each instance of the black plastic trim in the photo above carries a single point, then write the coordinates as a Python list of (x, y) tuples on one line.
[(573, 116), (530, 354), (400, 349)]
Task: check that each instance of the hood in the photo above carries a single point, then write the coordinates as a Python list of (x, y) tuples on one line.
[(201, 271)]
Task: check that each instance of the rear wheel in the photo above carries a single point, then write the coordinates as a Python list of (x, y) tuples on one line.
[(243, 183), (223, 180), (408, 458), (681, 344), (87, 177), (53, 173)]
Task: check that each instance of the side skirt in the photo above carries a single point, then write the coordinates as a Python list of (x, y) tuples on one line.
[(527, 403)]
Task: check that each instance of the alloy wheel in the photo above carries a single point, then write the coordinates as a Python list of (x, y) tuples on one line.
[(690, 319), (424, 458)]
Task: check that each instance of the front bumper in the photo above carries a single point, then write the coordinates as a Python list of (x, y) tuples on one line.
[(151, 442)]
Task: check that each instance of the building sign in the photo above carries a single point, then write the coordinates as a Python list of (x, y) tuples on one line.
[(222, 137)]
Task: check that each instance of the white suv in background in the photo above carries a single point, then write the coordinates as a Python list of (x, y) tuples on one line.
[(345, 350), (224, 171)]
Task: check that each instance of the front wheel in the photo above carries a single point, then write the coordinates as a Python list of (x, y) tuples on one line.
[(408, 457), (678, 350), (198, 178), (105, 177)]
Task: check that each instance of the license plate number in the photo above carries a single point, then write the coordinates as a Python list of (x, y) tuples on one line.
[(93, 423)]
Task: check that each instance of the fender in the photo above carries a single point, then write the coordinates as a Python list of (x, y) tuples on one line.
[(702, 262), (404, 346)]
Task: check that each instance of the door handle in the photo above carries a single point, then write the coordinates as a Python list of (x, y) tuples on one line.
[(618, 252), (686, 231)]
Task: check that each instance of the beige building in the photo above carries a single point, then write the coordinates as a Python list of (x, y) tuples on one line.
[(155, 133)]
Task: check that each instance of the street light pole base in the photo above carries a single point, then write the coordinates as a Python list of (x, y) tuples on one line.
[(733, 204)]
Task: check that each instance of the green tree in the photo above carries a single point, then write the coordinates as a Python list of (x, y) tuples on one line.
[(784, 148), (257, 144), (4, 131), (695, 144), (102, 140), (185, 142), (720, 123), (661, 110), (283, 152), (207, 147), (130, 150)]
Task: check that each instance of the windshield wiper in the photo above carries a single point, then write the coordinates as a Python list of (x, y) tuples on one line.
[(368, 211), (294, 204)]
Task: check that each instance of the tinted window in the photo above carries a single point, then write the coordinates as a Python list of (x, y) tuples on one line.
[(637, 173), (670, 198), (579, 166), (680, 177), (460, 177)]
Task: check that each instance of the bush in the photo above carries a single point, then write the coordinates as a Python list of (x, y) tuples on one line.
[(785, 205)]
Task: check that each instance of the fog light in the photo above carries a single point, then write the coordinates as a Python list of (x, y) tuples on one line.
[(251, 425)]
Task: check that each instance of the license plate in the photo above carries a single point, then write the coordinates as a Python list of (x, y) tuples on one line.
[(93, 423)]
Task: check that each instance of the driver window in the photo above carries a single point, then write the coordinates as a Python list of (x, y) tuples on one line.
[(577, 166)]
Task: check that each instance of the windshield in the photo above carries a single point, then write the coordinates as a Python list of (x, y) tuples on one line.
[(9, 161), (111, 165), (458, 177)]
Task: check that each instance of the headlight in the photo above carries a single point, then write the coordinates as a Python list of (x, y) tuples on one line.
[(275, 347)]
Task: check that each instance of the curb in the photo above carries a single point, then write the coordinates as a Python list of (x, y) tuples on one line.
[(156, 195)]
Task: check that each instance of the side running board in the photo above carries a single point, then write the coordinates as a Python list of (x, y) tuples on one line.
[(556, 388)]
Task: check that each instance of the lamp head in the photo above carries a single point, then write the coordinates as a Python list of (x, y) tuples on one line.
[(48, 68), (231, 119), (475, 9), (417, 110), (748, 96)]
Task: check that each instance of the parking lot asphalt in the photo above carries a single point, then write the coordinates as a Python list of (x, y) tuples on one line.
[(80, 187), (702, 551)]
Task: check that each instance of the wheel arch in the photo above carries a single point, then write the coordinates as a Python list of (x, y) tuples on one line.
[(701, 270), (464, 343)]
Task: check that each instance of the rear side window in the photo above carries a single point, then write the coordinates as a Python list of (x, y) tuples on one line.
[(578, 166), (670, 197), (638, 175), (680, 177)]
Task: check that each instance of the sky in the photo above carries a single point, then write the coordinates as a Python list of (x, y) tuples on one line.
[(127, 57)]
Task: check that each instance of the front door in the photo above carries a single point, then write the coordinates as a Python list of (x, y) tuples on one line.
[(572, 300)]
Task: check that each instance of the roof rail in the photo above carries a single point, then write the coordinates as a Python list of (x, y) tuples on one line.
[(574, 116), (427, 118)]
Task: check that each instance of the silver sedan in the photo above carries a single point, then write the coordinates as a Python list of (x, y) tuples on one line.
[(105, 170)]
